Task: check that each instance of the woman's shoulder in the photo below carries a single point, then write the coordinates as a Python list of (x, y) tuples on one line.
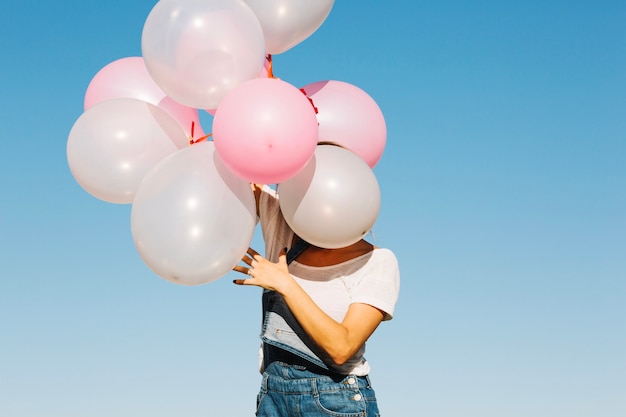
[(385, 254), (384, 260)]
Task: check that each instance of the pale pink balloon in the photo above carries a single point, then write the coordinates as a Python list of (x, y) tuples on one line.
[(348, 116), (129, 78), (265, 130)]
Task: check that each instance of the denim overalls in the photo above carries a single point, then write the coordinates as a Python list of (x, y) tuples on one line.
[(296, 378)]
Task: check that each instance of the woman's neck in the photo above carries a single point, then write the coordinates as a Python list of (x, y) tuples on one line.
[(316, 256)]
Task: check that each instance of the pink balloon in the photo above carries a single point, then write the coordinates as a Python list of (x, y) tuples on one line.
[(265, 130), (129, 78), (349, 117)]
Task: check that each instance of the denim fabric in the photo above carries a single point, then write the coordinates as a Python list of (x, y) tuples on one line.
[(282, 330), (291, 391)]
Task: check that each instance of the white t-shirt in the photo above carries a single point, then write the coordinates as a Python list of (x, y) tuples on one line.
[(372, 278)]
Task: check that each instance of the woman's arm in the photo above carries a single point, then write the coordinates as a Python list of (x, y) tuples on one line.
[(340, 340)]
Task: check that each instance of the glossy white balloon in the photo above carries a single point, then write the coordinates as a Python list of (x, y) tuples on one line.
[(198, 50), (334, 201), (114, 143), (286, 23), (192, 219)]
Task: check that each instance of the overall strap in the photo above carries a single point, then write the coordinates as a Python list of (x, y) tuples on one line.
[(297, 249)]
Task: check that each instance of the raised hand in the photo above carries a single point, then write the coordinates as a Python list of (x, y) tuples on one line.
[(264, 273)]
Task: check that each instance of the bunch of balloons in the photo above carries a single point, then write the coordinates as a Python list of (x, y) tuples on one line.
[(193, 211)]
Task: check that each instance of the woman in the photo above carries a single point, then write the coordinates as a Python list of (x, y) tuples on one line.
[(319, 307)]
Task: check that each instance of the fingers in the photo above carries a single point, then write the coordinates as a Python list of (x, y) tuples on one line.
[(242, 269), (252, 252), (251, 260), (248, 259), (250, 255), (282, 256)]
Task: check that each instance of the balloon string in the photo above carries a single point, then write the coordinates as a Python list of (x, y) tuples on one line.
[(310, 100), (193, 141), (205, 137)]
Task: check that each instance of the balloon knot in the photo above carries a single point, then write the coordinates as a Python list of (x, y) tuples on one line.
[(193, 141), (310, 100), (270, 70)]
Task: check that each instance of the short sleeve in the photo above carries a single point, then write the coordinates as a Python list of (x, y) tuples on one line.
[(380, 284)]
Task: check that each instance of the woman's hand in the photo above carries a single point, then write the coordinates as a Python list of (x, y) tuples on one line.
[(265, 273), (339, 340)]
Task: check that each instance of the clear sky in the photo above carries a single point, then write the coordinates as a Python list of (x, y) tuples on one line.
[(503, 196)]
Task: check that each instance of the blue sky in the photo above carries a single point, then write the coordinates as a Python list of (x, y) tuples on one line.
[(503, 196)]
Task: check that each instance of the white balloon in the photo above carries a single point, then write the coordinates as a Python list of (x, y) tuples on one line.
[(286, 23), (334, 201), (115, 142), (192, 219), (198, 50)]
